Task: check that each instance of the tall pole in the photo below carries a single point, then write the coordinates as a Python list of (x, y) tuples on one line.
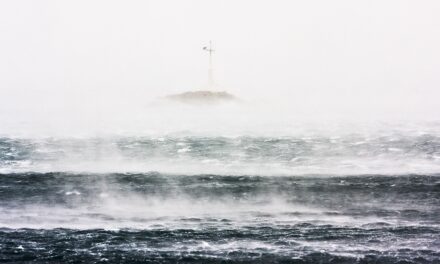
[(210, 70)]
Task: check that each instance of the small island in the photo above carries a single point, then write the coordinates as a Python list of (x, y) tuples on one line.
[(208, 96), (202, 97)]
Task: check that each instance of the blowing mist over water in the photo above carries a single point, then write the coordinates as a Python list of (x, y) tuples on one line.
[(208, 131), (234, 187)]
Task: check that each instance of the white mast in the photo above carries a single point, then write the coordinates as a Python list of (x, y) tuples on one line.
[(210, 70)]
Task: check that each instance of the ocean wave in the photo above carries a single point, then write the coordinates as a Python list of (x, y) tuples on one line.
[(354, 154)]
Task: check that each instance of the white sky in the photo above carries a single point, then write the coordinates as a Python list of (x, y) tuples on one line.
[(345, 55)]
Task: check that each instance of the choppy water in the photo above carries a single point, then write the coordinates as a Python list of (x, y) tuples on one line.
[(306, 199)]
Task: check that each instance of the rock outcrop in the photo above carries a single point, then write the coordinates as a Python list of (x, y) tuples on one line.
[(202, 97)]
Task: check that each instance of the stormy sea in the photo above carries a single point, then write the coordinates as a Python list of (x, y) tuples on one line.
[(358, 197)]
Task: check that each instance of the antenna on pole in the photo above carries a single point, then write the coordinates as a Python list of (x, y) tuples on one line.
[(210, 70)]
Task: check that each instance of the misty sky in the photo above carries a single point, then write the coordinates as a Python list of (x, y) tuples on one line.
[(313, 54)]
